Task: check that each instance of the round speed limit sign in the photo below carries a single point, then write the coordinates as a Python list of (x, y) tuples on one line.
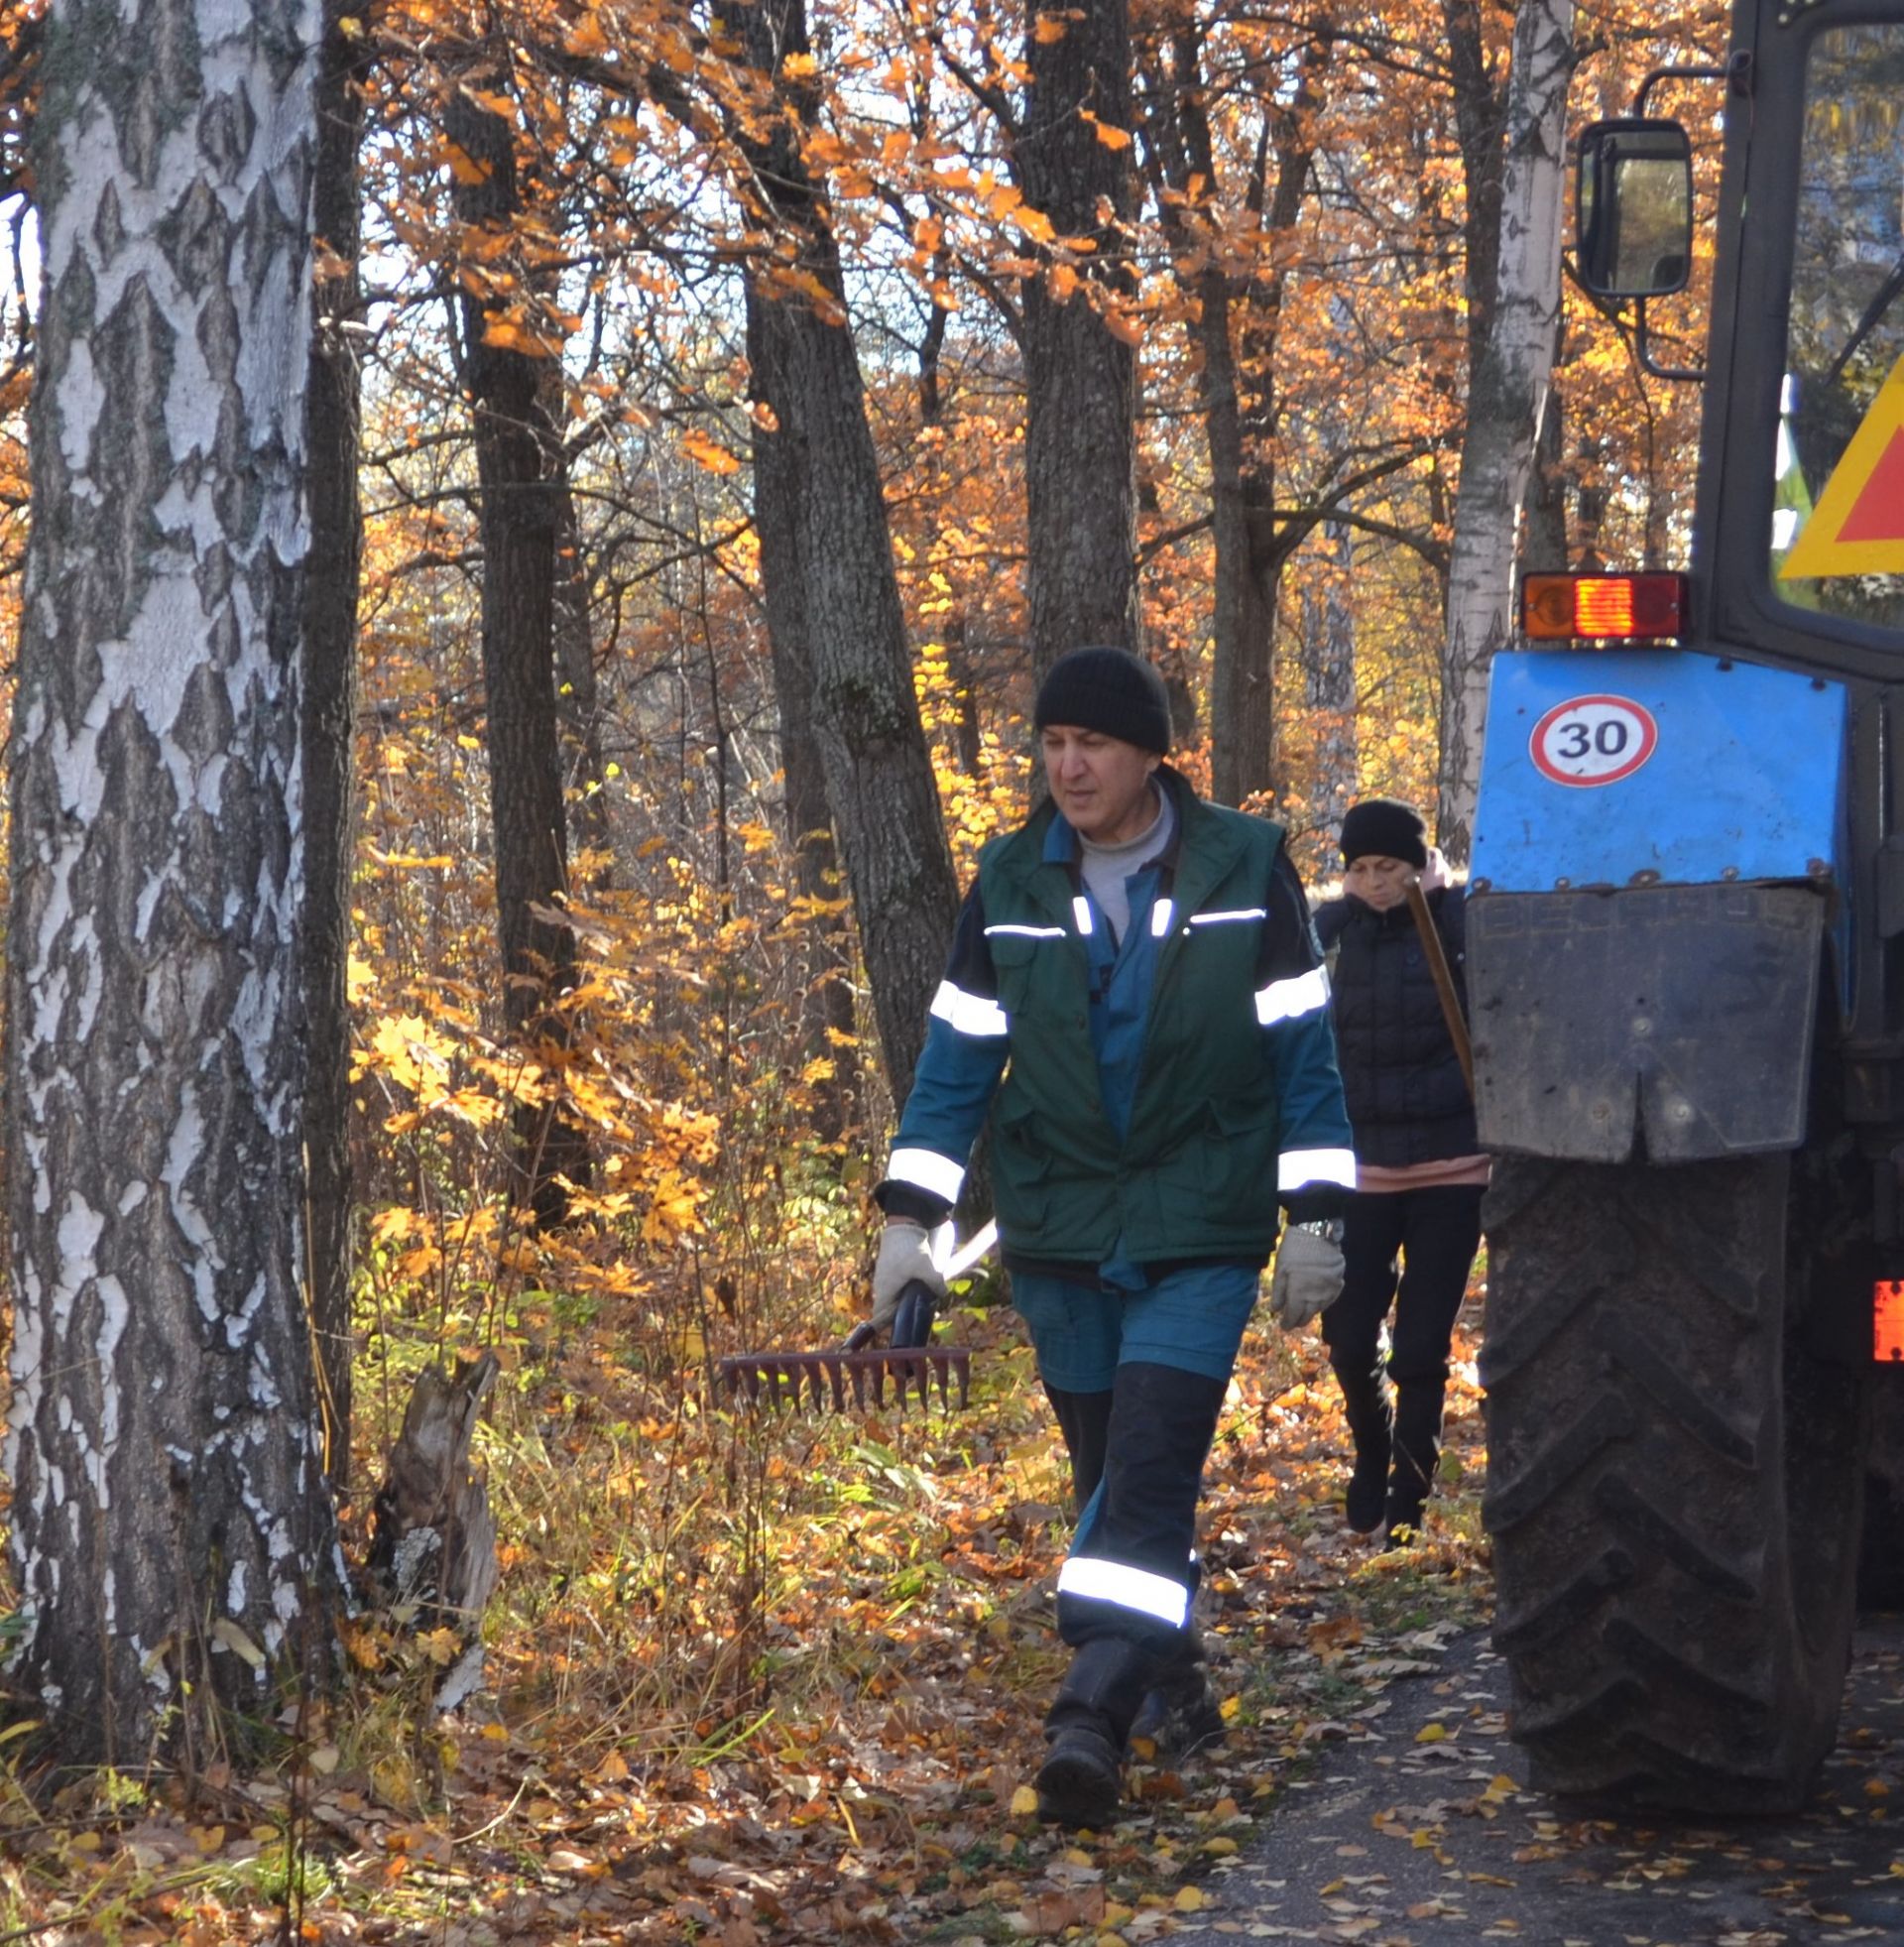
[(1593, 740)]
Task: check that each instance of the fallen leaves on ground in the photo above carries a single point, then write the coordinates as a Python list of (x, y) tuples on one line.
[(889, 1800)]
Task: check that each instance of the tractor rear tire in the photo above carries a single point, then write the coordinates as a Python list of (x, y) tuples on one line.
[(1673, 1484)]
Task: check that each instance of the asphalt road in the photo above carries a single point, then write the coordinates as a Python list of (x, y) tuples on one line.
[(1416, 1828)]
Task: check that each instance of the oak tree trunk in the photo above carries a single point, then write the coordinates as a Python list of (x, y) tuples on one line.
[(521, 524), (578, 703), (1247, 565), (330, 706), (172, 1533), (826, 999), (1329, 625), (1081, 377), (821, 462), (1237, 322)]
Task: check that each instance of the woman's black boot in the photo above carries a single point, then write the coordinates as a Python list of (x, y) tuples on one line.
[(1417, 1443), (1365, 1404)]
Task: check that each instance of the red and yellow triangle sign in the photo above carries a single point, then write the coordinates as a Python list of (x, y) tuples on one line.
[(1858, 526)]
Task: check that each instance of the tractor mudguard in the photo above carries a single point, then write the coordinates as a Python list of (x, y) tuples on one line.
[(1659, 848), (1672, 1025)]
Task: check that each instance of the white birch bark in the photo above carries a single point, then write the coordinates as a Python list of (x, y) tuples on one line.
[(1503, 403), (1328, 642), (1329, 624), (170, 1524)]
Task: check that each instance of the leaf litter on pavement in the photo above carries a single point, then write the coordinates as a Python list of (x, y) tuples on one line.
[(1434, 1839)]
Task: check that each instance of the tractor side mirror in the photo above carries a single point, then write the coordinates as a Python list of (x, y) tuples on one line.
[(1634, 208)]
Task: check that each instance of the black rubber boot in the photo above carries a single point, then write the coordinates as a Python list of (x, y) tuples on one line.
[(1178, 1715), (1080, 1783), (1365, 1404), (1417, 1451)]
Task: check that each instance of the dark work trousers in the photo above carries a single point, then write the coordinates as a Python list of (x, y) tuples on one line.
[(1136, 1526), (1138, 1447), (1083, 1418), (1434, 1234)]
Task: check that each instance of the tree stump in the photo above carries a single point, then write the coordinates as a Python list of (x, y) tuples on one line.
[(432, 1551)]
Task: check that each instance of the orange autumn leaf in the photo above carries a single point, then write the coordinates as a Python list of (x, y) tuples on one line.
[(706, 452)]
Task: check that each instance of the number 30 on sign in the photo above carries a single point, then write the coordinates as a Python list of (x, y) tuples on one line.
[(1593, 740)]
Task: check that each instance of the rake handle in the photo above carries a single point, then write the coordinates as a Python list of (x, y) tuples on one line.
[(911, 1323)]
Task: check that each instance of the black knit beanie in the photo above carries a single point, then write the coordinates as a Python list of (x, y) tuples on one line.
[(1109, 690), (1381, 827)]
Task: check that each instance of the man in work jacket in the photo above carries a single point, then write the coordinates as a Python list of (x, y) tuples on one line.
[(1136, 997)]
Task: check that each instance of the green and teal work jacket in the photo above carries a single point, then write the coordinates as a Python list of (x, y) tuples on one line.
[(1155, 1100)]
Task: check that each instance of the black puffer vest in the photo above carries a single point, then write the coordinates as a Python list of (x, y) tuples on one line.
[(1400, 1074)]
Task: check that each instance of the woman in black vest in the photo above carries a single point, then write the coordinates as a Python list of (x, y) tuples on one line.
[(1419, 1174)]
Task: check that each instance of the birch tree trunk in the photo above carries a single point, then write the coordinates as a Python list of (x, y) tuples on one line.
[(1543, 548), (865, 714), (1481, 107), (1329, 632), (1081, 378), (1504, 404), (1329, 625), (172, 1535)]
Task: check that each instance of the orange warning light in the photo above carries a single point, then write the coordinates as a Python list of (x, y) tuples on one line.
[(1612, 608), (1887, 1321), (1603, 606)]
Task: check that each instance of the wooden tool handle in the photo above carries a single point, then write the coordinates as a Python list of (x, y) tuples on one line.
[(1444, 982), (911, 1323)]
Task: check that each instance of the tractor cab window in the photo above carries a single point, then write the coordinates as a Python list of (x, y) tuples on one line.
[(1837, 509)]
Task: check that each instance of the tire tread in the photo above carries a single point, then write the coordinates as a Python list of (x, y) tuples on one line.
[(1649, 1598)]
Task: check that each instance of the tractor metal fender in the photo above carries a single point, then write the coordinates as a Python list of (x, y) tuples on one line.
[(1670, 1024), (1659, 852)]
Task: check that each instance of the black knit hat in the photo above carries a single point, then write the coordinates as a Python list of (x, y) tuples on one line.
[(1382, 827), (1109, 690)]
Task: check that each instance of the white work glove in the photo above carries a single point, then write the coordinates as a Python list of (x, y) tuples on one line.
[(906, 1253), (1307, 1279)]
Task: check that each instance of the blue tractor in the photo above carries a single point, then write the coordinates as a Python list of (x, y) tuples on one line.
[(1686, 980)]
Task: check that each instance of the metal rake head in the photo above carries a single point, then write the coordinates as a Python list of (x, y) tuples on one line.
[(822, 1380)]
